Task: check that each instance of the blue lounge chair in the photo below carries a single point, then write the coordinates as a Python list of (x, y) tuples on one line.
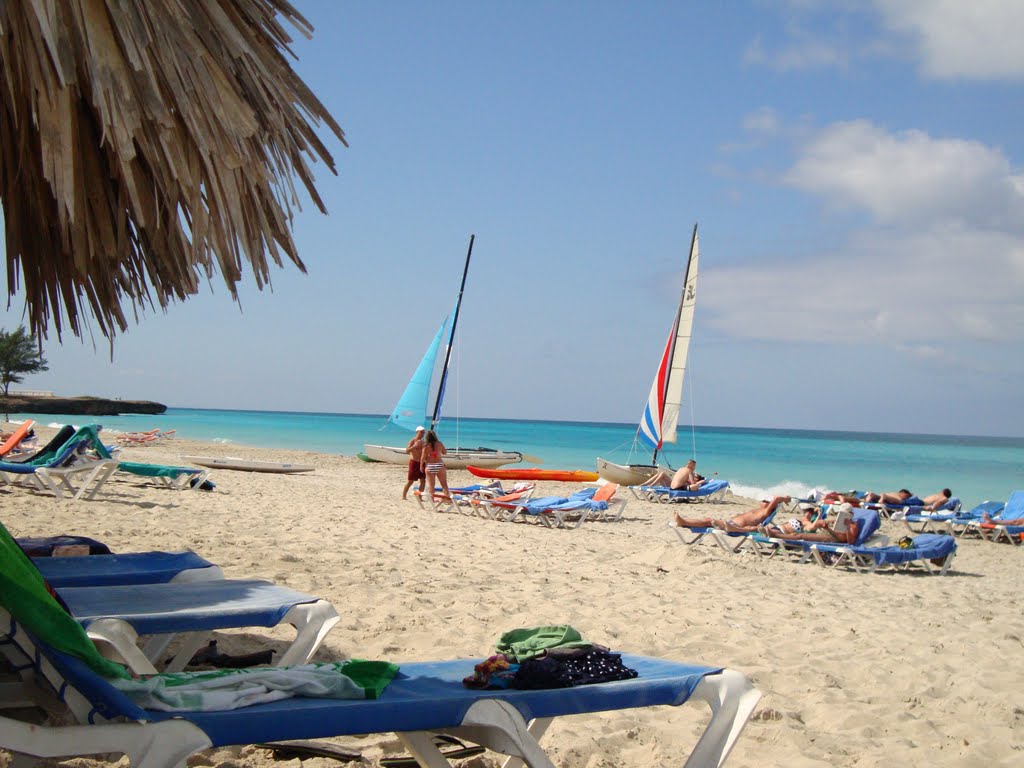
[(466, 498), (712, 490), (424, 698), (126, 569), (57, 475), (730, 541), (118, 615), (915, 509), (932, 551), (560, 511), (997, 530), (960, 524), (867, 520), (922, 521), (174, 477)]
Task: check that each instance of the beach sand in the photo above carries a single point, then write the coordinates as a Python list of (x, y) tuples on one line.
[(855, 669)]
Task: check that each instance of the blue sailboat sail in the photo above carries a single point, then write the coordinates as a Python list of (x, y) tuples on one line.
[(411, 410)]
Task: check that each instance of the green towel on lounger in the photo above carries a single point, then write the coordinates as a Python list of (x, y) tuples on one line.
[(234, 688), (24, 594), (528, 642)]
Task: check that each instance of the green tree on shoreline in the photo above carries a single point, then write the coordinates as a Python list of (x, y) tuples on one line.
[(19, 356)]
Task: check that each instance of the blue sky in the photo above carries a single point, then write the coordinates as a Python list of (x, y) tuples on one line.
[(855, 169)]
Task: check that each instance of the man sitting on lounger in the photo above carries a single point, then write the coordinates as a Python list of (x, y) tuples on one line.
[(897, 497), (747, 522), (685, 478)]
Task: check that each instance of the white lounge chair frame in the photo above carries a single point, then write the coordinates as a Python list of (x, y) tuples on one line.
[(312, 621), (90, 477)]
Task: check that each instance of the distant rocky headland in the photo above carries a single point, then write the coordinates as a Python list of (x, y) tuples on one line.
[(85, 406)]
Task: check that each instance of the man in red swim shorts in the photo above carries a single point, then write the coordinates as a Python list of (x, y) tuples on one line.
[(415, 451)]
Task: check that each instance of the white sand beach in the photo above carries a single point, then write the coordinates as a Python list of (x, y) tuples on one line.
[(855, 669)]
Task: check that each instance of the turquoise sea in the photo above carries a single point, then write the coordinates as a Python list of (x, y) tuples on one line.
[(757, 462)]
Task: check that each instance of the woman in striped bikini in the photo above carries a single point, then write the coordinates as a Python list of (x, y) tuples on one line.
[(433, 464)]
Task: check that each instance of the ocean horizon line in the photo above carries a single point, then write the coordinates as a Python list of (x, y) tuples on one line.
[(1010, 440)]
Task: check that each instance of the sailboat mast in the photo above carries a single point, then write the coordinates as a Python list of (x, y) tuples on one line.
[(675, 326), (451, 338)]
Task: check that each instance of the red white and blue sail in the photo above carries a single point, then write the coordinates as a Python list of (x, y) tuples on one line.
[(661, 416)]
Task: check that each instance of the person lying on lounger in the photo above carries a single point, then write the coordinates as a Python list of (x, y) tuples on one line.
[(812, 520), (837, 497), (685, 478), (896, 497), (824, 533), (1016, 521), (937, 500), (745, 522)]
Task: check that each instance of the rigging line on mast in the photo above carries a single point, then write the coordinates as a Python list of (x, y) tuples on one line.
[(458, 391), (693, 425)]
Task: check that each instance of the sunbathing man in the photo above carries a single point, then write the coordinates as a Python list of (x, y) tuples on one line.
[(745, 522), (685, 478), (937, 500), (837, 497), (898, 497)]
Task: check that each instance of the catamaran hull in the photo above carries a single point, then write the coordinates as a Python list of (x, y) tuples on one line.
[(454, 459), (624, 474)]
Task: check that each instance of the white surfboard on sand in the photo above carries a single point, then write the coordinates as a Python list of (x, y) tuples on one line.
[(248, 465)]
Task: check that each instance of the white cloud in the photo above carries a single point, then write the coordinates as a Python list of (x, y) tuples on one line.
[(802, 53), (765, 121), (942, 262), (961, 38), (949, 39), (920, 292), (910, 176)]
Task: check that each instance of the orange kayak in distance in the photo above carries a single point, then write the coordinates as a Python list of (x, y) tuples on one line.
[(535, 473)]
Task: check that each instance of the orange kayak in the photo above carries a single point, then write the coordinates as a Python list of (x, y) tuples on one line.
[(535, 473)]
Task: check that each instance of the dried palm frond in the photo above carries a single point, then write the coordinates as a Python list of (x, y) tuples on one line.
[(146, 144)]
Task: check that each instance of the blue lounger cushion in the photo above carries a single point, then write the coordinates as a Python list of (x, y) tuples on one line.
[(710, 487), (1013, 510), (111, 570), (155, 609), (927, 546), (423, 696)]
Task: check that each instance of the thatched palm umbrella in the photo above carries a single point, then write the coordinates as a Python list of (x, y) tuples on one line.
[(144, 145)]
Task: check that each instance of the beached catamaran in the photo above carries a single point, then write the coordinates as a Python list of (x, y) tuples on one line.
[(412, 412), (661, 416)]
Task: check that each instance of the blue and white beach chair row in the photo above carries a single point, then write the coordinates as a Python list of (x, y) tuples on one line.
[(871, 551), (424, 698), (972, 522), (712, 490), (593, 504), (76, 464)]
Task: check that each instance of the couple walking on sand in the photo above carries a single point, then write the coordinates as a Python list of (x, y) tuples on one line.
[(426, 462)]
